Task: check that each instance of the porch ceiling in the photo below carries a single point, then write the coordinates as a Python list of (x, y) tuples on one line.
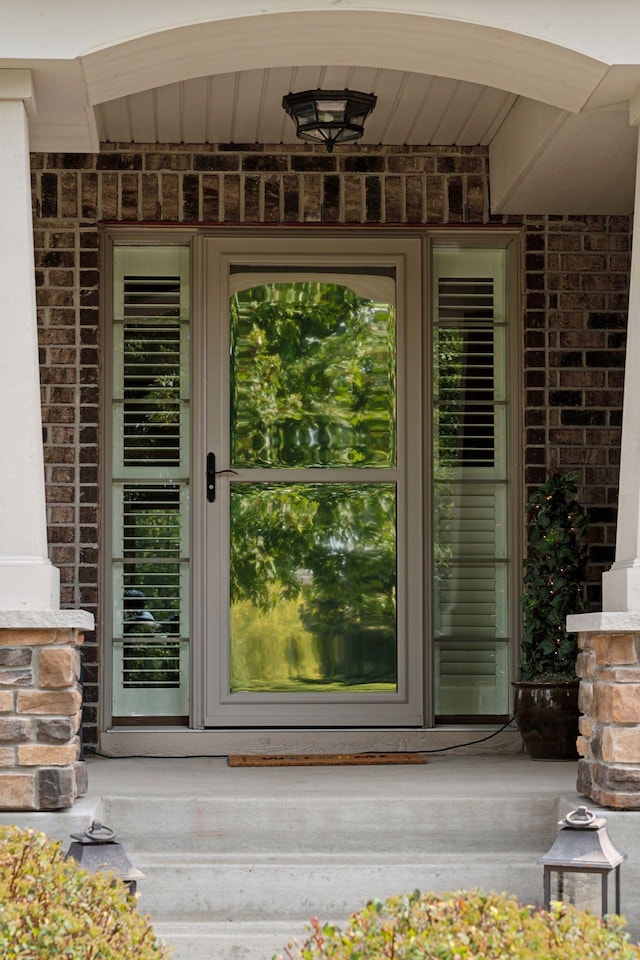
[(246, 107), (543, 159)]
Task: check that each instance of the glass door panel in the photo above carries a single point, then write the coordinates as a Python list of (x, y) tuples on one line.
[(315, 609), (313, 369)]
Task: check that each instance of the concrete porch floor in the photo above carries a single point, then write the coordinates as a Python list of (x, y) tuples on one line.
[(462, 821), (474, 778)]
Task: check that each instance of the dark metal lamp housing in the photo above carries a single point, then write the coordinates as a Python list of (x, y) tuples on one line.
[(98, 850), (583, 846), (329, 116)]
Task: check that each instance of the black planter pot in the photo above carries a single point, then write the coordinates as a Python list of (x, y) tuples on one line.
[(547, 718)]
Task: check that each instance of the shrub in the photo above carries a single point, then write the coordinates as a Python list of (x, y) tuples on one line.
[(50, 909), (554, 571), (466, 926)]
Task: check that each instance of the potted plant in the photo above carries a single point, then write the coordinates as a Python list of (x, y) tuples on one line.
[(546, 702)]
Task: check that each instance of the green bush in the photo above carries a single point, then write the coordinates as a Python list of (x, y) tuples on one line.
[(466, 926), (554, 571), (50, 909)]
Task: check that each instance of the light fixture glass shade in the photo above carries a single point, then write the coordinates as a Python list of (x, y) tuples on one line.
[(329, 116)]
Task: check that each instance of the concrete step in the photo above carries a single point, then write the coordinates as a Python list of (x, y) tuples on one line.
[(323, 824), (236, 877), (228, 941), (251, 911), (277, 888)]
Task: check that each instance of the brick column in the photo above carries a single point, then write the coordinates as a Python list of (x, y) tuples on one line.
[(40, 710), (609, 742)]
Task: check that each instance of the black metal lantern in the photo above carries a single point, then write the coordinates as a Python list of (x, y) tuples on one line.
[(98, 850), (583, 846), (329, 116)]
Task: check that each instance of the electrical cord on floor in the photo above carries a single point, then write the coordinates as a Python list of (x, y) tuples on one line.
[(470, 743), (215, 756), (155, 756)]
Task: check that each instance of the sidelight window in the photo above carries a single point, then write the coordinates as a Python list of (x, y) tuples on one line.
[(150, 482)]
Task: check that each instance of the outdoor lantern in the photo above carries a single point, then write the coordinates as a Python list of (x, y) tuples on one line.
[(583, 847), (98, 850), (329, 116)]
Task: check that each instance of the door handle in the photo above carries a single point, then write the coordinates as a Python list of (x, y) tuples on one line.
[(212, 473)]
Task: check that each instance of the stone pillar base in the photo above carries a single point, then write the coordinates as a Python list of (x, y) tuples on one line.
[(609, 742), (610, 785), (40, 709)]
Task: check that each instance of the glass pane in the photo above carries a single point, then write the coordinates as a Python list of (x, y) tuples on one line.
[(471, 603), (149, 354), (150, 541), (470, 520), (150, 515), (313, 587), (312, 377), (472, 678), (465, 397), (150, 595)]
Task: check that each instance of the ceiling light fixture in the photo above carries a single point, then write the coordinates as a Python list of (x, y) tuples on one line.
[(329, 116)]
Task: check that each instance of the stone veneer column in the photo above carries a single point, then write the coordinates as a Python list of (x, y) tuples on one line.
[(609, 742), (41, 709)]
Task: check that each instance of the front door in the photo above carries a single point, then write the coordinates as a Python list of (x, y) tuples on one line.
[(312, 455)]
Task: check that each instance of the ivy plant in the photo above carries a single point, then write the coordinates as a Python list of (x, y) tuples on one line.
[(554, 570)]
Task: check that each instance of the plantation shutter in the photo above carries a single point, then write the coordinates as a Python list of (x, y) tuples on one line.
[(470, 483), (150, 489)]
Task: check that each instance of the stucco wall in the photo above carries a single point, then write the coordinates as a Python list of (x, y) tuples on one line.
[(574, 286)]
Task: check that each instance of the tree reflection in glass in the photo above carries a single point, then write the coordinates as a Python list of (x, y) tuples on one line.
[(313, 564)]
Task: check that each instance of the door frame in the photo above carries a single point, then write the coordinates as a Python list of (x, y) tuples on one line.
[(405, 708), (164, 739)]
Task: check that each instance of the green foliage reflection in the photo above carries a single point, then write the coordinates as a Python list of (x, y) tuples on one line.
[(312, 377), (313, 565), (313, 584)]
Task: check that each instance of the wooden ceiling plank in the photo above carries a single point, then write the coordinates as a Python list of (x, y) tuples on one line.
[(430, 117), (115, 121), (169, 115), (462, 103), (143, 121), (194, 109), (249, 91), (385, 86), (221, 108)]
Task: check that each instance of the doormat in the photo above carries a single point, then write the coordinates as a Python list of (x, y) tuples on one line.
[(322, 759)]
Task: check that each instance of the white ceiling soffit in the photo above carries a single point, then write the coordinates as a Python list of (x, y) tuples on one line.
[(472, 52), (246, 107), (546, 160), (582, 163)]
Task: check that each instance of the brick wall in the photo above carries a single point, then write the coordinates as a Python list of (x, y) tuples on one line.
[(574, 276)]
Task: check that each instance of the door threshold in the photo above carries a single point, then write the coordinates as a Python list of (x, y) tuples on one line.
[(171, 741)]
